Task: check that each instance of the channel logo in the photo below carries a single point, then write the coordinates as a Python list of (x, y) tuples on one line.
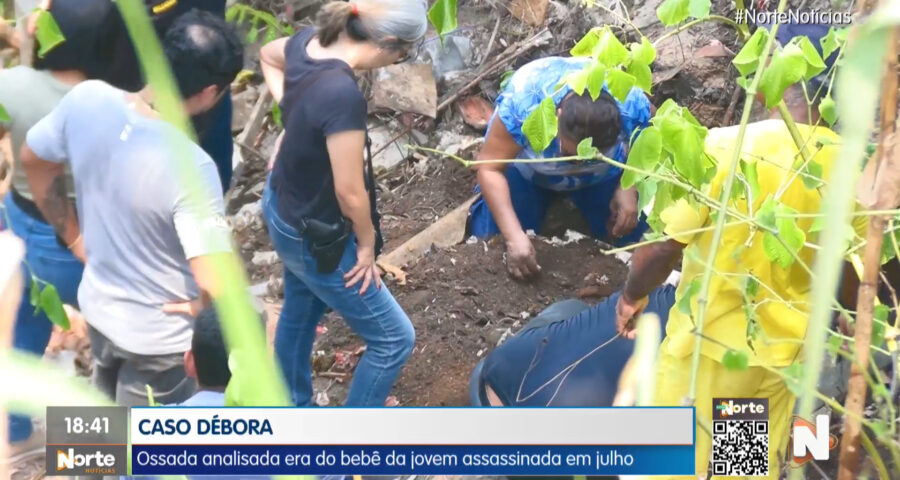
[(811, 442), (97, 463)]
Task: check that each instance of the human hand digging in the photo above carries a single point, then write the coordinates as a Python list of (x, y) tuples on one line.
[(623, 212), (626, 312), (521, 259)]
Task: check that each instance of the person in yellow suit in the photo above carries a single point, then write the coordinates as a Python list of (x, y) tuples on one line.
[(782, 301)]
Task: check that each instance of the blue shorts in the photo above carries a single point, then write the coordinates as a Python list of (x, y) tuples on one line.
[(525, 371), (530, 202)]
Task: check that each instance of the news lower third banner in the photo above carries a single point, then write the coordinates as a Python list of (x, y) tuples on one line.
[(412, 441)]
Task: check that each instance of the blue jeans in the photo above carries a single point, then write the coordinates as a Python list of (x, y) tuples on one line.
[(530, 203), (52, 263), (375, 316)]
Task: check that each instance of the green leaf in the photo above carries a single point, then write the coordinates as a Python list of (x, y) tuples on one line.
[(672, 12), (643, 52), (151, 401), (646, 192), (609, 50), (682, 141), (443, 16), (644, 154), (596, 77), (253, 33), (699, 8), (232, 12), (586, 149), (878, 325), (834, 343), (276, 114), (751, 287), (4, 115), (271, 34), (812, 177), (833, 40), (791, 238), (748, 169), (35, 293), (642, 76), (747, 58), (585, 46), (684, 303), (48, 34), (541, 126), (734, 360), (793, 376), (788, 67), (619, 83), (814, 63), (504, 78), (52, 306), (577, 81), (817, 225), (828, 109)]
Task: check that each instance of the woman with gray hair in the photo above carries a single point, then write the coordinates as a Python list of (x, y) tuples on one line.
[(319, 202)]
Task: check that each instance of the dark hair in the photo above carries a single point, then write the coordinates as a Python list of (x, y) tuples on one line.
[(582, 117), (79, 21), (403, 21), (203, 50), (208, 348)]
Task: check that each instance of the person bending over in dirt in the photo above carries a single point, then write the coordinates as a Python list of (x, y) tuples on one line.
[(568, 356), (782, 306), (515, 199), (321, 218), (115, 51), (144, 243), (28, 94)]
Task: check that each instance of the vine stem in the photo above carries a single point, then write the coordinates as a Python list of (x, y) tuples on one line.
[(698, 21), (702, 296)]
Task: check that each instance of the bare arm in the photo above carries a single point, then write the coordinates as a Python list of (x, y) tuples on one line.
[(345, 151), (272, 62), (650, 266), (47, 181), (499, 145), (203, 267)]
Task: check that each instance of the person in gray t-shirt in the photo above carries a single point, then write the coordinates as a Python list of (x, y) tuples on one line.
[(145, 244)]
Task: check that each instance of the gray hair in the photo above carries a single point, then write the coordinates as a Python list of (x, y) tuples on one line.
[(402, 20)]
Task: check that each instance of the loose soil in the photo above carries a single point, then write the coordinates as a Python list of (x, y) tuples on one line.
[(462, 302)]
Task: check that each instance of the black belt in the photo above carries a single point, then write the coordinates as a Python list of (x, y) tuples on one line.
[(29, 207)]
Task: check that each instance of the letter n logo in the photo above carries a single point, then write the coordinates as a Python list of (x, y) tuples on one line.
[(811, 442), (65, 460)]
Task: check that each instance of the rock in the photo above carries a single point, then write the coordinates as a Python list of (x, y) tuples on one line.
[(242, 105), (259, 289), (405, 87), (322, 399), (393, 154), (453, 56), (476, 111), (262, 259), (531, 12), (248, 217)]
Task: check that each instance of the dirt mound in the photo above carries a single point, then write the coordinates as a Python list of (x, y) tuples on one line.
[(463, 304)]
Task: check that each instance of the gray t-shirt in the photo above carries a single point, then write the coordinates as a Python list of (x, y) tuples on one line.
[(28, 95), (138, 228)]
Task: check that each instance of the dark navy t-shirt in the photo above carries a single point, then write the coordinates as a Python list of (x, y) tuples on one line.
[(321, 98)]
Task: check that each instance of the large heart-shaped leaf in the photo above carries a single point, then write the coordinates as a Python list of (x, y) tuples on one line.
[(596, 78), (747, 58), (644, 154), (642, 76), (643, 52), (619, 83), (541, 126), (609, 50), (577, 81), (585, 46), (672, 12), (699, 8), (814, 63), (586, 149), (443, 16), (682, 141), (788, 67), (833, 40)]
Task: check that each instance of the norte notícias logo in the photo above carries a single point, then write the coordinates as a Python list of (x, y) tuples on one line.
[(93, 463), (811, 442)]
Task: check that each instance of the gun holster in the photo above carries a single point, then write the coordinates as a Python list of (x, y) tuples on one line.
[(327, 242)]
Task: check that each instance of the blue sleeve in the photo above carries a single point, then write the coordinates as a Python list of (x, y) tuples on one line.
[(512, 110), (635, 112)]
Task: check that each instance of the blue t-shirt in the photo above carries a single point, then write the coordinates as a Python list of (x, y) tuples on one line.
[(522, 95)]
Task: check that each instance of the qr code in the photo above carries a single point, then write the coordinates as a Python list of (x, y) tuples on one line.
[(740, 448)]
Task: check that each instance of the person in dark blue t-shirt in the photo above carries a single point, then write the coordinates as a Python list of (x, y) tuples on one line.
[(318, 209), (561, 358)]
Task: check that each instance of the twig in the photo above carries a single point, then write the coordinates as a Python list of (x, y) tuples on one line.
[(729, 112), (490, 45), (511, 53)]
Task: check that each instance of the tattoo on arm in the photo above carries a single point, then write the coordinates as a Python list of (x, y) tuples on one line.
[(56, 204)]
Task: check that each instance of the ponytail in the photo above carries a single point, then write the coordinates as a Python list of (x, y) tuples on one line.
[(402, 20)]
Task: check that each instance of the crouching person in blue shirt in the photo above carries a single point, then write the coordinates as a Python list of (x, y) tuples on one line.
[(514, 197)]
